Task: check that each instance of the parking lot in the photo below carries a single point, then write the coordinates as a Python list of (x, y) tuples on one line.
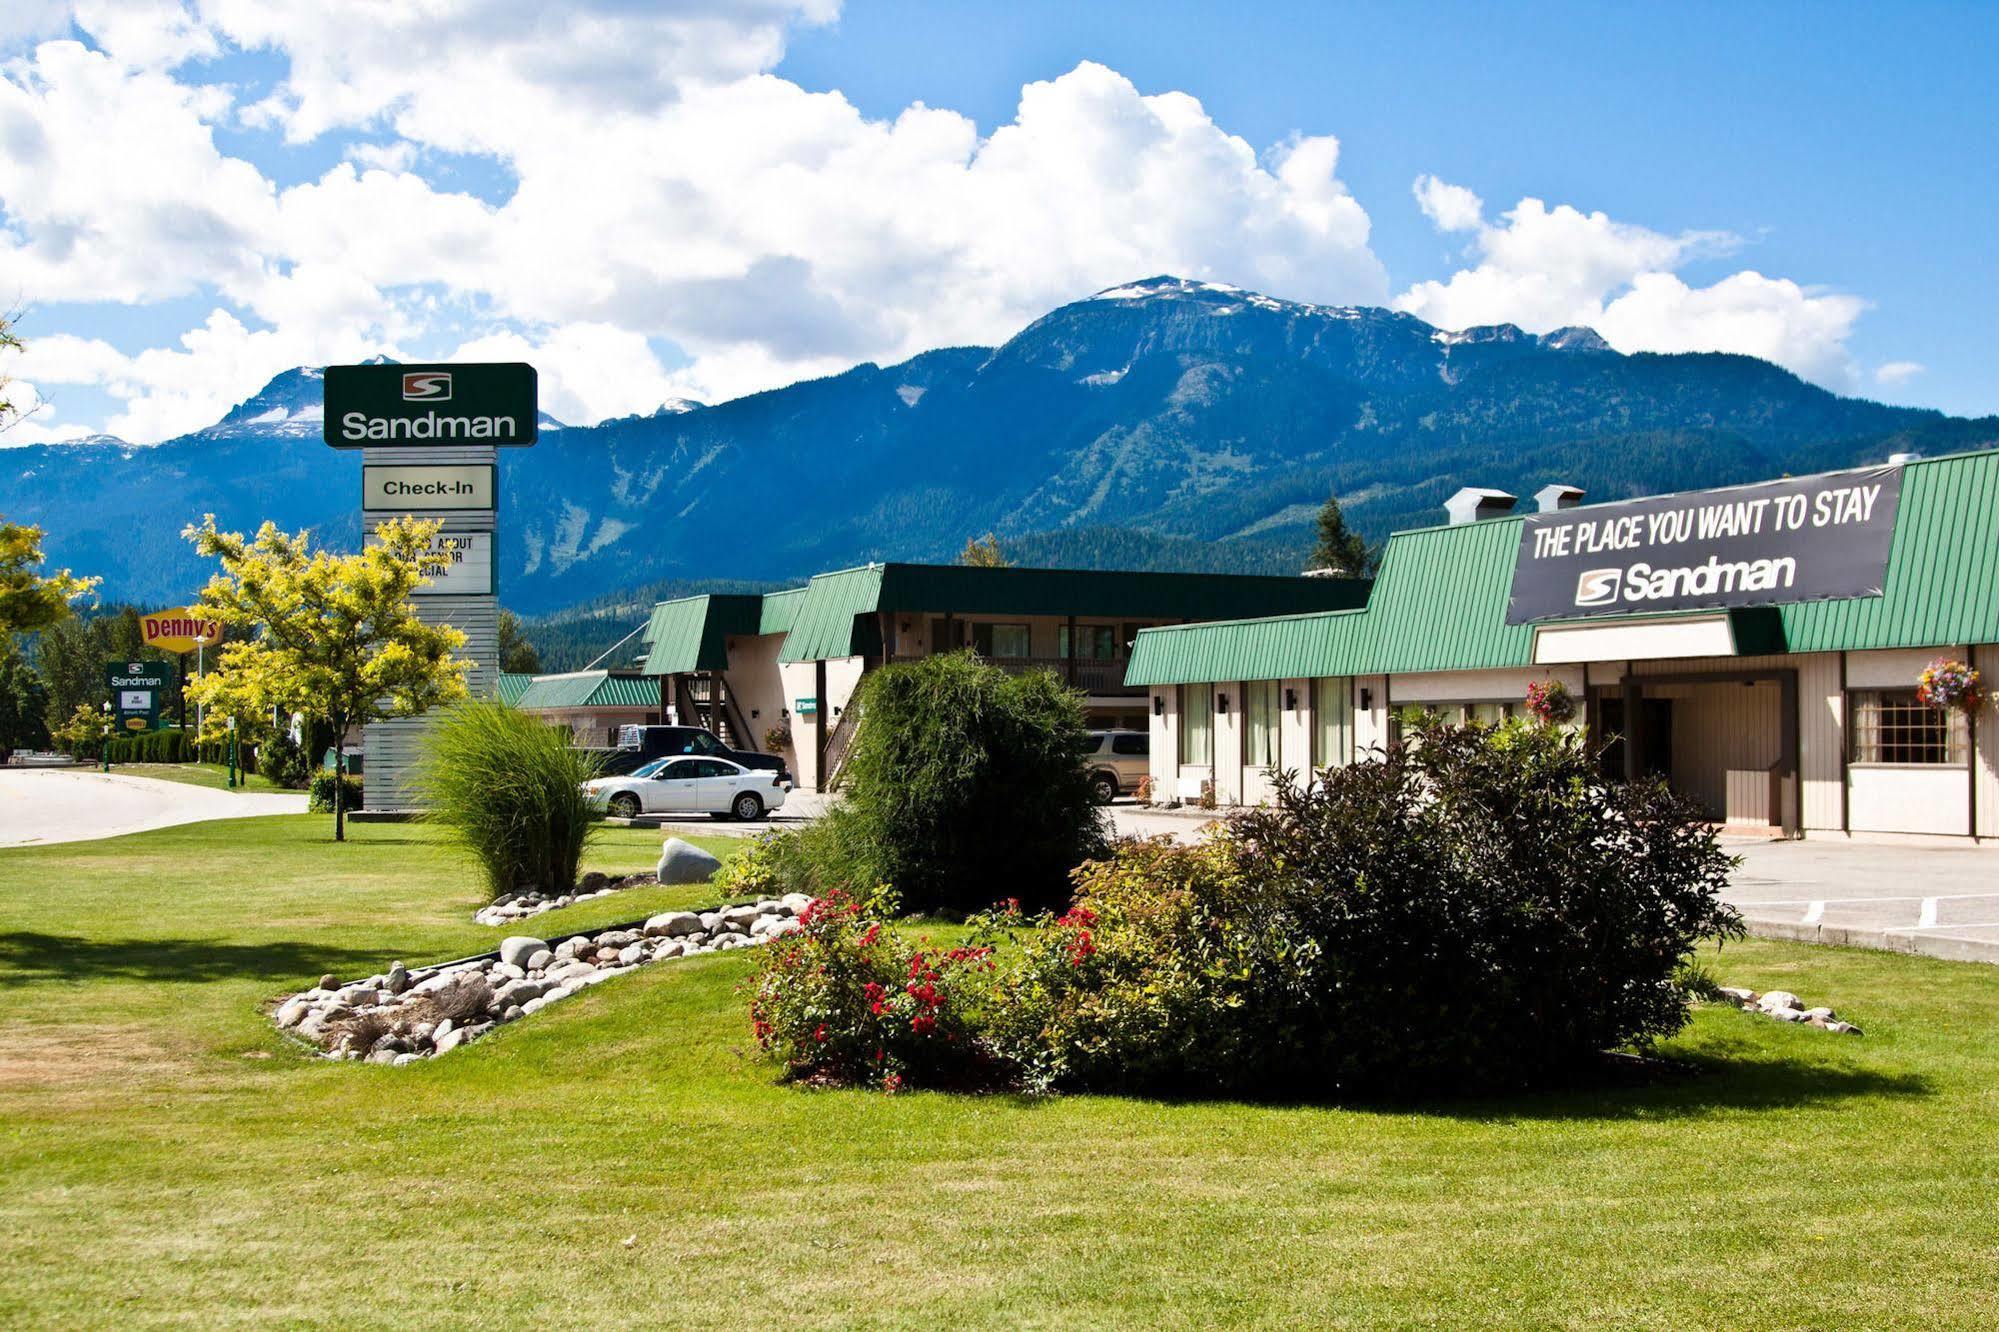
[(1937, 899)]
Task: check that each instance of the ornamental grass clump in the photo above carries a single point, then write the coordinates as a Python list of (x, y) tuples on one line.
[(511, 789)]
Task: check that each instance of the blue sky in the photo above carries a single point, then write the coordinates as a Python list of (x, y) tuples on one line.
[(737, 194)]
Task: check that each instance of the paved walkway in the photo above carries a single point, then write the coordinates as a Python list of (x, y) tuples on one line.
[(39, 806)]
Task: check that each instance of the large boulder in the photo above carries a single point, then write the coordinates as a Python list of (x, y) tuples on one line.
[(673, 924), (517, 949), (683, 862)]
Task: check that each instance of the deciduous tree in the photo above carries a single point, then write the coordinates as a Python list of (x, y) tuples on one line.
[(329, 635), (984, 553), (31, 600)]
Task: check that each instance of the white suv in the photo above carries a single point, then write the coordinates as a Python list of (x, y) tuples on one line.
[(1117, 762)]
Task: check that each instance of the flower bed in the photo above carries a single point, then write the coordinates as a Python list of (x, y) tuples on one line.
[(404, 1015)]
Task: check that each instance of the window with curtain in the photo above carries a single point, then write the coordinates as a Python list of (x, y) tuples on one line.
[(1894, 726), (1259, 723), (1094, 642), (1001, 640), (1197, 725), (1332, 722)]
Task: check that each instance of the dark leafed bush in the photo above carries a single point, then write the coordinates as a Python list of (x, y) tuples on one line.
[(511, 789), (964, 786), (1484, 908)]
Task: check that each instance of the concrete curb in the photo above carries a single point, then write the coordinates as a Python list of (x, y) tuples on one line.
[(1888, 941)]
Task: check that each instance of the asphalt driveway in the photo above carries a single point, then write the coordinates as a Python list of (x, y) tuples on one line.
[(1937, 899), (43, 805)]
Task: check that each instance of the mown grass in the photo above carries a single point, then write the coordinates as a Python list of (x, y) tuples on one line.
[(212, 775), (166, 1157)]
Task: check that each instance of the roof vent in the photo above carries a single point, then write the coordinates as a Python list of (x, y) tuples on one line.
[(1894, 459), (1472, 504), (1550, 498)]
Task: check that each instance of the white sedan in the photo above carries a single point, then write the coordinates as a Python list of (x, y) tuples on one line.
[(690, 786)]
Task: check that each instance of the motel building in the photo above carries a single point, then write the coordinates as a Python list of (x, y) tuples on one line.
[(776, 673), (1757, 646)]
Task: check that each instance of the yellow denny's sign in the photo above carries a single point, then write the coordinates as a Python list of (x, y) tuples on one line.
[(176, 630)]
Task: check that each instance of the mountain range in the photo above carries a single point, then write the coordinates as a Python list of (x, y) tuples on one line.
[(1166, 423)]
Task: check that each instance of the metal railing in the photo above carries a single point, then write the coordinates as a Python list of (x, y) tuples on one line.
[(1096, 676)]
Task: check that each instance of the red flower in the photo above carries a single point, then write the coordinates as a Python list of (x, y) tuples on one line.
[(820, 1034)]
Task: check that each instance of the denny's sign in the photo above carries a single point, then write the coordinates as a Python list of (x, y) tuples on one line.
[(177, 630)]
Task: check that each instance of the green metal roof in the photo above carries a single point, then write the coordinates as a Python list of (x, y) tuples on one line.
[(512, 684), (1943, 568), (823, 625), (827, 624), (589, 689), (687, 635), (780, 611), (1439, 603)]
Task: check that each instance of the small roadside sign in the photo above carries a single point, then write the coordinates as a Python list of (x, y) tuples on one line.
[(137, 690), (430, 406)]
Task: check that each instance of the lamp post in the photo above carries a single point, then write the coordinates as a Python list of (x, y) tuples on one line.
[(107, 735), (231, 722), (200, 670)]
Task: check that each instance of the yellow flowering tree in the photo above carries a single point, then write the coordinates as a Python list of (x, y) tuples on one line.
[(30, 600), (328, 635)]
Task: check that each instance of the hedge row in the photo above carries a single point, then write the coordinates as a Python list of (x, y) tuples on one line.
[(175, 747)]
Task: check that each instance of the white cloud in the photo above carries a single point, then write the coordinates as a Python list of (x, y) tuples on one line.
[(1451, 207), (660, 187), (665, 188), (1544, 268), (1896, 373)]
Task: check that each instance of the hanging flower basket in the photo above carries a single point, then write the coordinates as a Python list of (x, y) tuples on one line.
[(1551, 702), (1946, 684)]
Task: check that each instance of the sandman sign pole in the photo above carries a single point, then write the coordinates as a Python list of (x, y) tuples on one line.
[(429, 437)]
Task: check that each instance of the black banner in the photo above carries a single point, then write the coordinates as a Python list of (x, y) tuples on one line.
[(1809, 539), (420, 406)]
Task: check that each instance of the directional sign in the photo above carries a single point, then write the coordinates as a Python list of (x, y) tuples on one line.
[(447, 486), (430, 406)]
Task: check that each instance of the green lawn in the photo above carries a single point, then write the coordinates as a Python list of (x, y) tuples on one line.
[(214, 775), (166, 1158)]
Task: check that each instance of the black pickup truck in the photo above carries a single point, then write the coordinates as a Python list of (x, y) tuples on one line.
[(640, 745)]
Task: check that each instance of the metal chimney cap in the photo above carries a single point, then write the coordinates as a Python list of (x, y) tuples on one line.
[(1476, 502), (1558, 496)]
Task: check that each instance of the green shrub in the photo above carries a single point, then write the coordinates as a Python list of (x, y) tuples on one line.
[(845, 999), (757, 870), (511, 789), (320, 801), (283, 761), (1174, 969), (963, 786)]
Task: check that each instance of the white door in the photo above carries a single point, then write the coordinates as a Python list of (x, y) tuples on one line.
[(719, 783), (675, 788)]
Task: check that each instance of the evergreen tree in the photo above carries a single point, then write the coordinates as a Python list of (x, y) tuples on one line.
[(517, 655), (1339, 546)]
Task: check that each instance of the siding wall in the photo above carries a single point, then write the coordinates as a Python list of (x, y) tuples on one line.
[(1986, 658), (758, 687), (389, 749)]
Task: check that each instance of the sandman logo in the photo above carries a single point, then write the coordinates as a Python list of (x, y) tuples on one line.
[(427, 386), (1598, 587)]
